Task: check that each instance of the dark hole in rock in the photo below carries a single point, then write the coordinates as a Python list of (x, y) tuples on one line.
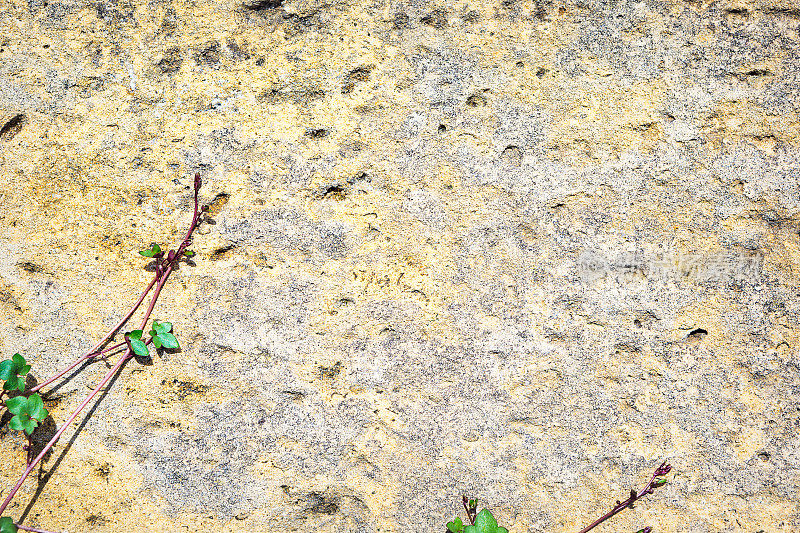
[(334, 192), (698, 334), (317, 133), (400, 20), (436, 18), (442, 128), (259, 5), (321, 504), (764, 456), (208, 53), (220, 253), (214, 208), (476, 100), (171, 61), (12, 127), (758, 72), (541, 71), (357, 75), (30, 268)]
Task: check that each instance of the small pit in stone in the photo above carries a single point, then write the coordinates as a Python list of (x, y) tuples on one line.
[(12, 127), (697, 334)]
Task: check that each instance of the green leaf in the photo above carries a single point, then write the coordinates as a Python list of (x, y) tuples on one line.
[(7, 525), (135, 334), (14, 383), (156, 340), (456, 526), (11, 370), (16, 422), (660, 482), (140, 348), (29, 425), (36, 407), (471, 529), (7, 369), (188, 253), (473, 503), (17, 404), (161, 327), (501, 530), (19, 362), (23, 422), (152, 252), (485, 522), (168, 340)]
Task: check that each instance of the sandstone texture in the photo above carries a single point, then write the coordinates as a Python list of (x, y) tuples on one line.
[(520, 250)]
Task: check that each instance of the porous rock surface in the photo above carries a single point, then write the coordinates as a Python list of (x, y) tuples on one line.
[(522, 250)]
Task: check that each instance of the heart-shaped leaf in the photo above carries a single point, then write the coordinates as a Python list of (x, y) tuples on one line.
[(485, 522), (456, 526), (17, 404), (168, 340), (137, 345), (152, 252)]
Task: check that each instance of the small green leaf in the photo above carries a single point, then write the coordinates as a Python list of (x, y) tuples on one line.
[(36, 407), (660, 482), (29, 425), (17, 404), (188, 253), (7, 525), (139, 348), (11, 370), (156, 340), (471, 529), (168, 340), (501, 530), (485, 522), (19, 362), (152, 252), (7, 369), (14, 383), (456, 526), (16, 423), (22, 422), (135, 334), (473, 504)]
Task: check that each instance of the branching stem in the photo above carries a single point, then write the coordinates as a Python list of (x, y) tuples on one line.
[(164, 267), (662, 470)]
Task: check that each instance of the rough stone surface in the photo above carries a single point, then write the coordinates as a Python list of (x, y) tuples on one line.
[(520, 249)]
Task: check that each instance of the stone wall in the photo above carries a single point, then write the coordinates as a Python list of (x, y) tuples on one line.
[(523, 250)]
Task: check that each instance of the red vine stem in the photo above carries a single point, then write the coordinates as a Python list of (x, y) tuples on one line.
[(164, 268)]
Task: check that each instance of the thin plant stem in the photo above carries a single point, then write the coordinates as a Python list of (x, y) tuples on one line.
[(164, 268), (73, 416), (94, 351), (662, 470)]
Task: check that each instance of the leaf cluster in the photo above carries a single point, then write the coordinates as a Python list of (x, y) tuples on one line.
[(160, 336), (12, 371), (484, 523), (28, 412)]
